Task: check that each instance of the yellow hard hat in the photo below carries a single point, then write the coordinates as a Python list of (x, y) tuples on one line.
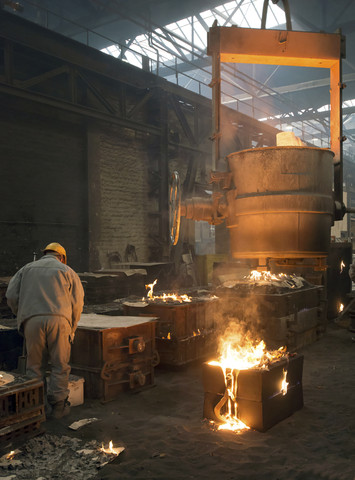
[(56, 247)]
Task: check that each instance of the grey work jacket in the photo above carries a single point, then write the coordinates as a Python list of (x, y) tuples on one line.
[(46, 287)]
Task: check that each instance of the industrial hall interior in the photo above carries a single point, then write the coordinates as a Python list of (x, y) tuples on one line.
[(177, 276)]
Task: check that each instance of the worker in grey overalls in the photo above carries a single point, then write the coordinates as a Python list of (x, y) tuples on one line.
[(47, 297)]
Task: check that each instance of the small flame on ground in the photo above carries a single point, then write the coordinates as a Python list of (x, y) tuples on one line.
[(111, 450), (341, 307), (284, 384), (342, 266), (168, 337), (11, 455), (233, 424), (166, 296)]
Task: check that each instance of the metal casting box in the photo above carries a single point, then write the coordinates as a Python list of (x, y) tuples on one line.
[(114, 354), (185, 332), (21, 410), (11, 343), (260, 402), (281, 316), (178, 352), (105, 286), (339, 283)]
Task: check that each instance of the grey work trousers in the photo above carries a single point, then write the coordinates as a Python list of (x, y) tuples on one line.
[(47, 339)]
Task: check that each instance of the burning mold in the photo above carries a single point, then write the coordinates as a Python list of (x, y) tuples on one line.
[(250, 386), (165, 297), (186, 327), (278, 308)]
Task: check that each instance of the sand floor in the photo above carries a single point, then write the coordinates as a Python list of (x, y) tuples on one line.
[(165, 436)]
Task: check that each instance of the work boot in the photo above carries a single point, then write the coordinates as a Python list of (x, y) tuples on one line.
[(60, 409)]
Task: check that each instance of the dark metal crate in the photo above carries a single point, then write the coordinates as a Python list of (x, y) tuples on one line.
[(21, 410), (260, 402), (178, 352), (20, 398), (185, 332), (114, 354), (178, 319)]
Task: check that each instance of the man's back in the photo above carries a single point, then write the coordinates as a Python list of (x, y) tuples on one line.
[(47, 297), (45, 287)]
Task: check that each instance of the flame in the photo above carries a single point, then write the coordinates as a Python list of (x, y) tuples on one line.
[(341, 307), (172, 296), (195, 334), (166, 296), (240, 353), (280, 279), (264, 275), (342, 266), (11, 455), (284, 384), (230, 419), (239, 356), (233, 424), (151, 286), (111, 450)]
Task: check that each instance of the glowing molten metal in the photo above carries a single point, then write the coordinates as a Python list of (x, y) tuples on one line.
[(284, 384), (238, 353)]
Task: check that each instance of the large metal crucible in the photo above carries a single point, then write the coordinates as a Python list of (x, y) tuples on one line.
[(280, 47), (277, 202)]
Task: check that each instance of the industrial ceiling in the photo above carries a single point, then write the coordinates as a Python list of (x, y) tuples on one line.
[(169, 38)]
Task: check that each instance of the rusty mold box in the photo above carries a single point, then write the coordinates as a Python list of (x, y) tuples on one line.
[(260, 402), (185, 332), (291, 317), (114, 354), (21, 409)]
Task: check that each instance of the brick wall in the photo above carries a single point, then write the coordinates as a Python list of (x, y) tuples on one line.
[(119, 209)]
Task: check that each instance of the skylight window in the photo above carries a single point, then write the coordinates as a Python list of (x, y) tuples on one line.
[(177, 52), (179, 40)]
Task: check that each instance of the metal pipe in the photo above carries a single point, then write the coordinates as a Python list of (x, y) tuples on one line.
[(197, 209)]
